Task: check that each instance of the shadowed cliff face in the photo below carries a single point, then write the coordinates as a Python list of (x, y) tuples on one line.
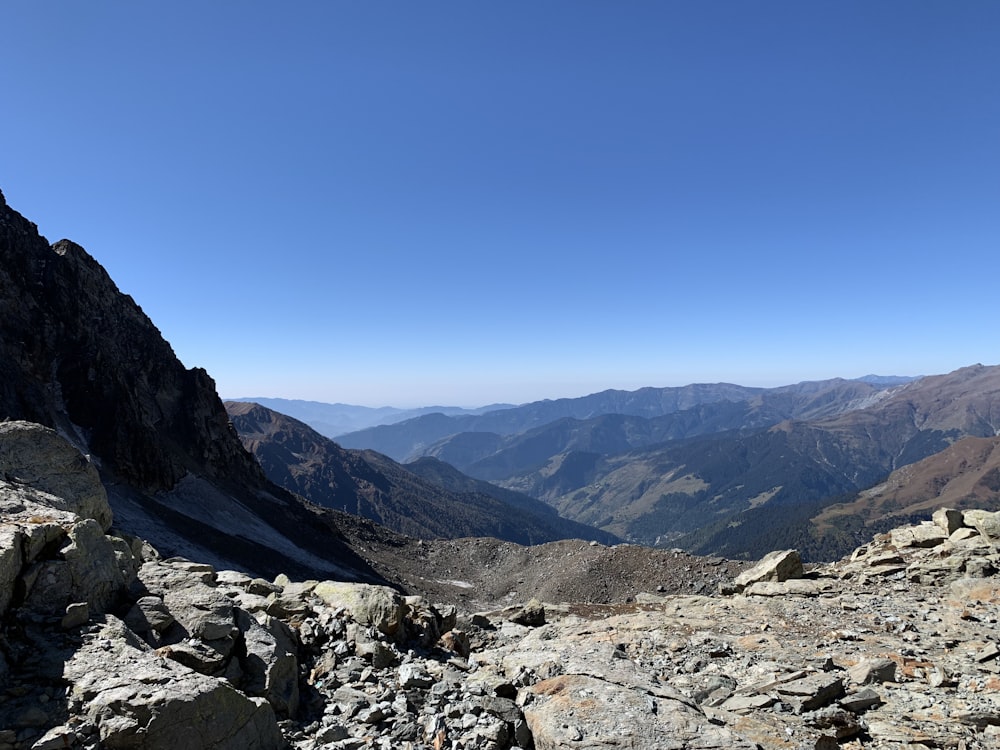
[(79, 356), (76, 351)]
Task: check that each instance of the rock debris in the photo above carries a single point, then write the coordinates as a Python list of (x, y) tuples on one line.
[(105, 644)]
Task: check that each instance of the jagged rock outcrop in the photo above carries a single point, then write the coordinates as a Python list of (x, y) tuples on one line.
[(78, 356), (53, 517)]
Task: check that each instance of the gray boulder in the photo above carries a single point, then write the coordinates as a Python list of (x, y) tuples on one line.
[(56, 558), (140, 701), (378, 606), (37, 456), (778, 566), (271, 668), (986, 522)]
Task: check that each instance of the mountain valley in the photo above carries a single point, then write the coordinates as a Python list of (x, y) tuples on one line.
[(370, 485), (725, 470)]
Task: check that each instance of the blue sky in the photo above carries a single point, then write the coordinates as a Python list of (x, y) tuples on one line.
[(467, 202)]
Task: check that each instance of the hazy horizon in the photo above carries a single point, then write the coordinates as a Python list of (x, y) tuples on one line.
[(569, 394), (462, 203)]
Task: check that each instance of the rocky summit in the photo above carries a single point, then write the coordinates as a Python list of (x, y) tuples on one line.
[(107, 644)]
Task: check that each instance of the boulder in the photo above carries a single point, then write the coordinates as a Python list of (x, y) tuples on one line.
[(778, 566), (791, 587), (271, 668), (53, 547), (413, 675), (873, 671), (37, 456), (149, 614), (189, 595), (138, 700), (949, 519), (532, 614), (378, 606), (927, 534), (812, 691), (101, 566), (986, 522), (291, 598), (68, 560), (202, 634), (458, 641), (77, 614)]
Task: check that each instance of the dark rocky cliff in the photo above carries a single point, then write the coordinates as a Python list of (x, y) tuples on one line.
[(79, 356), (76, 350)]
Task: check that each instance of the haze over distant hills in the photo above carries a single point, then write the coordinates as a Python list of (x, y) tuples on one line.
[(756, 406), (332, 420)]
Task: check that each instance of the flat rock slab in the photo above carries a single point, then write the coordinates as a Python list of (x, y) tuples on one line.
[(791, 587), (585, 713), (812, 691)]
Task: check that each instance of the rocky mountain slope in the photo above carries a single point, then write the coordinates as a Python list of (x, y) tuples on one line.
[(104, 643), (372, 486), (81, 357)]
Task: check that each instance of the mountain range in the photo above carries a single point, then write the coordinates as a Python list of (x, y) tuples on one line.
[(713, 468), (333, 420), (677, 412), (428, 499)]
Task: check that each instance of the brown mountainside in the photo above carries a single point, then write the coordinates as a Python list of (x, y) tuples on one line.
[(963, 475)]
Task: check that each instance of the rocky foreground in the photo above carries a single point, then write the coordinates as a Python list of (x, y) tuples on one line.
[(106, 644)]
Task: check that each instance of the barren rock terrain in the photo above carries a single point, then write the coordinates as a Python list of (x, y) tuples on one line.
[(481, 573), (106, 644)]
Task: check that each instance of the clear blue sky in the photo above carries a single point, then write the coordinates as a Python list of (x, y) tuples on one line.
[(463, 202)]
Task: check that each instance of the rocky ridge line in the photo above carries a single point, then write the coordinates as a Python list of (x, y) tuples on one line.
[(106, 644)]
